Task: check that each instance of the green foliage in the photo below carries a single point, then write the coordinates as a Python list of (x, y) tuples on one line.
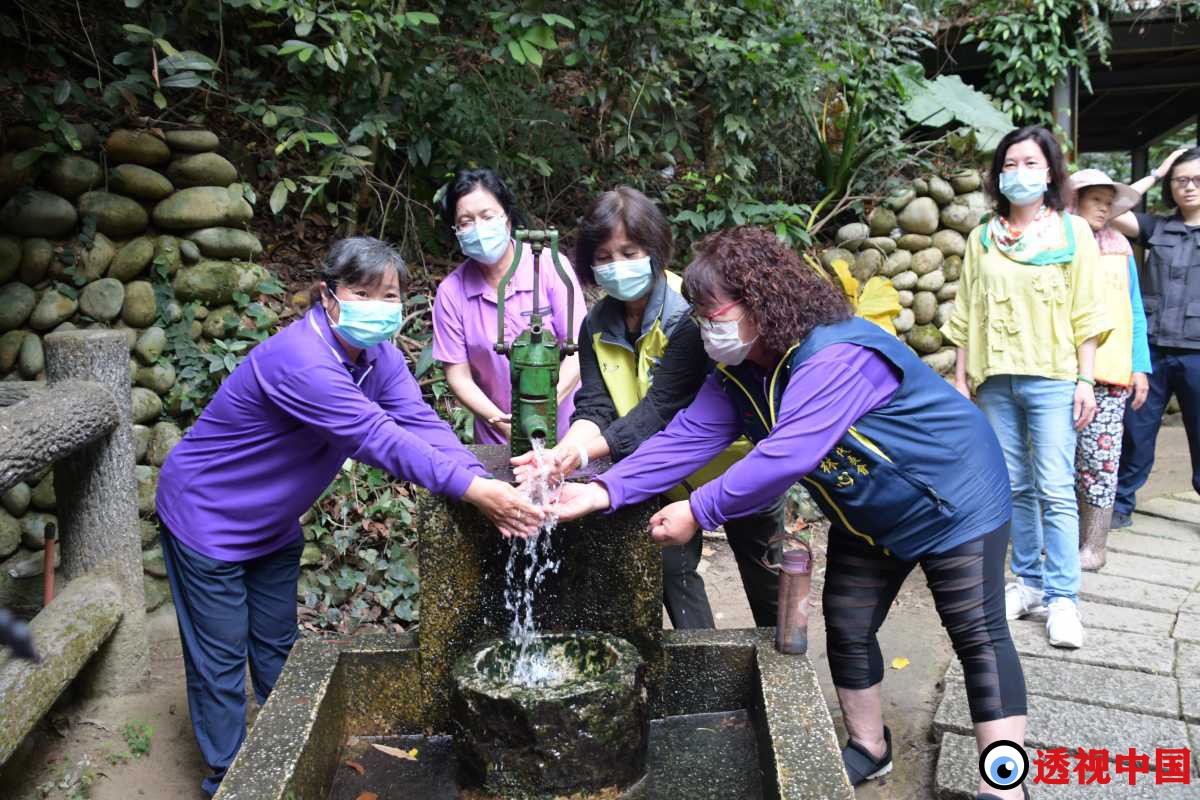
[(946, 100), (74, 780), (361, 110), (368, 571), (200, 367), (137, 736), (1034, 43)]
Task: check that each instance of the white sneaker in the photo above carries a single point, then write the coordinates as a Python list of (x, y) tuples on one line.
[(1063, 626), (1022, 601)]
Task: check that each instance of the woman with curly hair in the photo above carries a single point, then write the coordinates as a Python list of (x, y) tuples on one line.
[(906, 469)]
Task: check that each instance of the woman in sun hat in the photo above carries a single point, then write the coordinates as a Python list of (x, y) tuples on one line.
[(1122, 362)]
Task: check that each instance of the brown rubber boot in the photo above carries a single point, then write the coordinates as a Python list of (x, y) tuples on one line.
[(1094, 523)]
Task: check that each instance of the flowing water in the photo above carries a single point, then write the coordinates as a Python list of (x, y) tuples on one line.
[(529, 561)]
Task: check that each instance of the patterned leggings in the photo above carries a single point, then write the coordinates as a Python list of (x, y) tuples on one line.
[(1098, 451), (967, 583)]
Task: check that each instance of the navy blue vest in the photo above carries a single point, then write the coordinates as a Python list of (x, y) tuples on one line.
[(921, 474)]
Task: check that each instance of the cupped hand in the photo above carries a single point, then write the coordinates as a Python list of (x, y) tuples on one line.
[(1085, 405), (674, 524), (557, 464), (1141, 389), (508, 510), (576, 500)]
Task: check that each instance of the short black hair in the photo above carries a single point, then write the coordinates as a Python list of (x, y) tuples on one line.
[(466, 181), (1058, 192), (1188, 155), (361, 261), (643, 222)]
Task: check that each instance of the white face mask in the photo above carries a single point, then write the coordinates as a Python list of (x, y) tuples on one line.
[(723, 342)]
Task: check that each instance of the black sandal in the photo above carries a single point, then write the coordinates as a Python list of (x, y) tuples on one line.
[(861, 766)]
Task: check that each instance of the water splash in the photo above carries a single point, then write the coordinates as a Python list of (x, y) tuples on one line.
[(529, 561)]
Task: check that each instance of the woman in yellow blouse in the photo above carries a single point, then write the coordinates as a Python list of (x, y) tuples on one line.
[(1026, 323)]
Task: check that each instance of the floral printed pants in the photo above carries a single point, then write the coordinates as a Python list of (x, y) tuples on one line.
[(1098, 451)]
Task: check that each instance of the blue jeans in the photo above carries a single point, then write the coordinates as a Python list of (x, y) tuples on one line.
[(230, 613), (1032, 420), (1177, 372)]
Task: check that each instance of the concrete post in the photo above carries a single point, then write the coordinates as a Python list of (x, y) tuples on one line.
[(97, 501), (1063, 105), (1140, 168)]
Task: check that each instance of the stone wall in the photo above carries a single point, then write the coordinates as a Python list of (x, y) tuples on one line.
[(83, 240), (917, 238)]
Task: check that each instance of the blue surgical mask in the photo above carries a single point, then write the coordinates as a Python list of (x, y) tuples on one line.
[(1023, 186), (364, 323), (625, 280), (486, 241)]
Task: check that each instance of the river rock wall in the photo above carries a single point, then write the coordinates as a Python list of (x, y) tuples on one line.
[(93, 239), (916, 238)]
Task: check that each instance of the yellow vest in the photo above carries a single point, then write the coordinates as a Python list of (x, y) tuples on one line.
[(1114, 358), (627, 376)]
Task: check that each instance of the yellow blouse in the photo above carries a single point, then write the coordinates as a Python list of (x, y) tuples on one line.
[(1014, 318)]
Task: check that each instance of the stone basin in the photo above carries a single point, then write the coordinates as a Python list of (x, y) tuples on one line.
[(732, 720), (578, 726)]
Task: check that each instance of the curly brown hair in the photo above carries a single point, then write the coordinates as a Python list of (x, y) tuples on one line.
[(785, 297)]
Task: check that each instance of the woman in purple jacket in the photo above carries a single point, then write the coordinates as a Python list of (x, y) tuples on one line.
[(329, 387), (907, 471)]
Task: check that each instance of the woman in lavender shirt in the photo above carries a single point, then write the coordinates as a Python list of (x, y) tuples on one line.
[(329, 387), (482, 212)]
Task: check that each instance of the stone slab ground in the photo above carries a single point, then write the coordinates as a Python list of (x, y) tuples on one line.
[(1136, 681)]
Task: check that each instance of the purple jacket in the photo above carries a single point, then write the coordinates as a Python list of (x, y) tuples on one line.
[(280, 428), (822, 400)]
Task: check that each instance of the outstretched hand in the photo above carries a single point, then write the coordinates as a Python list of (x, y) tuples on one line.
[(557, 464), (508, 510), (674, 524), (577, 500)]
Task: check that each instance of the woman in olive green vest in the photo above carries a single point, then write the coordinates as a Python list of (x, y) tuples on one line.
[(641, 361)]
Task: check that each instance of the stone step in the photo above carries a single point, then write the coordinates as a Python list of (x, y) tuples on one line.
[(958, 779), (1187, 624), (1186, 497), (1165, 528), (1187, 667), (1119, 618), (1101, 648), (1194, 732), (1062, 723), (1152, 570), (1118, 591), (1189, 698), (1125, 541), (1099, 686), (1170, 508)]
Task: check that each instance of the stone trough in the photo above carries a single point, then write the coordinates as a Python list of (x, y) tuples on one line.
[(725, 715)]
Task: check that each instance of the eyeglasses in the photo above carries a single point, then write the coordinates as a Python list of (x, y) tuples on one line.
[(1183, 181), (707, 320), (468, 223)]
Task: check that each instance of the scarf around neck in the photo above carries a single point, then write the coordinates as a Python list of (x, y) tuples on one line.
[(1048, 239)]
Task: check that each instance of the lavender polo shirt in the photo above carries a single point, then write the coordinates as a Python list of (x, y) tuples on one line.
[(279, 429), (824, 396), (464, 328)]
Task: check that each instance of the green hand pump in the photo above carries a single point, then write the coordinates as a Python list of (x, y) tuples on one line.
[(535, 354)]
